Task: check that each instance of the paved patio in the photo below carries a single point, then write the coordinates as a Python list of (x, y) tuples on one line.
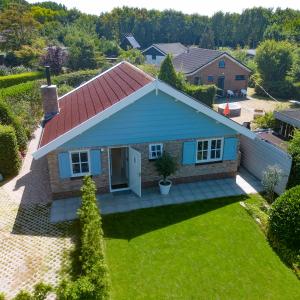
[(244, 183)]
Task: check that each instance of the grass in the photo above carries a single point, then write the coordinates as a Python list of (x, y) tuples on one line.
[(204, 250)]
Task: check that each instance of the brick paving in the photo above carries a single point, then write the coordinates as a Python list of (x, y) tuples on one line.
[(31, 247)]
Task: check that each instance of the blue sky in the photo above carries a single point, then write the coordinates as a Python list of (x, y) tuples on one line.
[(203, 7)]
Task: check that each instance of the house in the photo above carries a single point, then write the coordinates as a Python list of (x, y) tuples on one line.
[(116, 125), (156, 53), (287, 121), (129, 42), (206, 66)]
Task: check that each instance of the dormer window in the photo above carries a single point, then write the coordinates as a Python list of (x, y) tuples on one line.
[(222, 64)]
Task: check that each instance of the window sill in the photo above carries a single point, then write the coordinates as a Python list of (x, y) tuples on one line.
[(208, 162), (80, 177)]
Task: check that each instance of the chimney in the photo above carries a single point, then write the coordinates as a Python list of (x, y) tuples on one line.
[(49, 97)]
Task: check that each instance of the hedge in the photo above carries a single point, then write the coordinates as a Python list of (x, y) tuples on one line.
[(10, 161), (8, 118), (75, 79), (94, 280), (17, 89), (284, 226), (280, 89), (6, 81), (204, 93)]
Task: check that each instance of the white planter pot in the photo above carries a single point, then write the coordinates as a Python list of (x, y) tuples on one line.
[(165, 189)]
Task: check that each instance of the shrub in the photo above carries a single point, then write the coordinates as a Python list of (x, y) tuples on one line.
[(266, 121), (8, 118), (40, 292), (297, 90), (271, 177), (281, 89), (166, 165), (64, 89), (284, 224), (294, 151), (2, 296), (6, 81), (204, 93), (9, 155), (93, 282), (23, 295), (75, 79)]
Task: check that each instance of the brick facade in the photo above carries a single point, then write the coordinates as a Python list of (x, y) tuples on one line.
[(186, 173), (229, 72)]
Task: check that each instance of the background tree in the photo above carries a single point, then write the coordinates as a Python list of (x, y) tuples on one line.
[(294, 151), (55, 57), (17, 26)]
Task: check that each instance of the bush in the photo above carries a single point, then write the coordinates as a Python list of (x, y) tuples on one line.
[(75, 79), (93, 282), (41, 291), (281, 89), (2, 296), (294, 151), (6, 81), (284, 224), (204, 93), (271, 177), (8, 118), (297, 90), (23, 295), (266, 121), (9, 155)]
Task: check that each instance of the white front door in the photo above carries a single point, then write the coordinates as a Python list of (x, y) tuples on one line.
[(135, 162)]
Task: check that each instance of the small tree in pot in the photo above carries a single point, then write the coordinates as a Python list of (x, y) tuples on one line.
[(166, 165)]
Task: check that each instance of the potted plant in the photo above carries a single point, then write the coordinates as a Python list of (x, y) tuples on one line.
[(165, 166)]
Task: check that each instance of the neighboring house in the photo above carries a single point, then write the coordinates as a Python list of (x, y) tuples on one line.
[(287, 121), (116, 125), (156, 53), (251, 53), (206, 66), (129, 42)]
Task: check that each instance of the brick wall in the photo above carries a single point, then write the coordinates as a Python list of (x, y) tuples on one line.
[(186, 173), (229, 72)]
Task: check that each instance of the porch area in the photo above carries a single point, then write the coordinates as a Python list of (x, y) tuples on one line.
[(243, 183)]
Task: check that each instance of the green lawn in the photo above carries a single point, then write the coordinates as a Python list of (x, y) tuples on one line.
[(204, 250)]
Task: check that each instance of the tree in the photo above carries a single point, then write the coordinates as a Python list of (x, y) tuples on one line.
[(55, 57), (274, 60), (294, 151), (17, 27), (207, 39), (81, 53), (295, 70), (133, 56), (168, 74)]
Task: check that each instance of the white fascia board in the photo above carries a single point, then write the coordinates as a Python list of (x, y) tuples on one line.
[(205, 110), (93, 121), (153, 46), (214, 60)]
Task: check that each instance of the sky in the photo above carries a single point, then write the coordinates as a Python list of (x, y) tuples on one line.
[(202, 7)]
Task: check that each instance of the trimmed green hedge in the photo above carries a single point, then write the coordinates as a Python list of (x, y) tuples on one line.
[(75, 79), (284, 226), (93, 282), (6, 81), (10, 161), (204, 93), (8, 118), (18, 89)]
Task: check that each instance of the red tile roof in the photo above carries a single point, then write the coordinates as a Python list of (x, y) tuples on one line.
[(94, 97)]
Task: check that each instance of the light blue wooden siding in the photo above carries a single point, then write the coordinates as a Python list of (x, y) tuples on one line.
[(64, 165), (230, 149), (189, 153), (151, 119), (95, 163)]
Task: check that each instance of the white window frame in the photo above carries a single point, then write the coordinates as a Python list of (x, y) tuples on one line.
[(209, 159), (151, 157), (71, 163)]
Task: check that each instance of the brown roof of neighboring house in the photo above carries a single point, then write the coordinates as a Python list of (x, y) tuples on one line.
[(195, 58)]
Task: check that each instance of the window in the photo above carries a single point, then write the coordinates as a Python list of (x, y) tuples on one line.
[(196, 80), (210, 78), (222, 64), (154, 56), (209, 150), (80, 163), (240, 77), (155, 151)]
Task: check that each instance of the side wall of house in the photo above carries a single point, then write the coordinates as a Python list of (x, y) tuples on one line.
[(229, 72)]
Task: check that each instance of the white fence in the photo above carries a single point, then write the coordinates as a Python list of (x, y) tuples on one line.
[(258, 154)]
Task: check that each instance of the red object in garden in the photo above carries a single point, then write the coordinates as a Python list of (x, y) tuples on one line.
[(226, 110)]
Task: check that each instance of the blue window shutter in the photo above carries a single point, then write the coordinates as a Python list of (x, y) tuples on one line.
[(189, 153), (64, 165), (230, 149), (95, 162)]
